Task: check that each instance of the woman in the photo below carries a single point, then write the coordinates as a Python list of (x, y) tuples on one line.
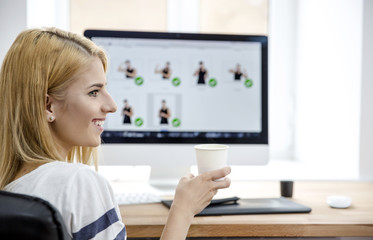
[(165, 72), (237, 73), (202, 74), (54, 103), (126, 67), (164, 113), (127, 112)]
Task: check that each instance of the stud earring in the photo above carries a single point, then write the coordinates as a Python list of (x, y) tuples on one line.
[(51, 118)]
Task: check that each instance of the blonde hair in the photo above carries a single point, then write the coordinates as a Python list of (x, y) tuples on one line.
[(40, 62)]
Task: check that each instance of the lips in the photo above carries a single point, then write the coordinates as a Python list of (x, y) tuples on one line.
[(99, 122)]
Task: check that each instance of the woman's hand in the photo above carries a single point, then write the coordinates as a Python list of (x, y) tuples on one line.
[(193, 194)]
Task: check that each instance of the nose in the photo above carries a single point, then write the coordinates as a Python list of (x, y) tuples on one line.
[(109, 105)]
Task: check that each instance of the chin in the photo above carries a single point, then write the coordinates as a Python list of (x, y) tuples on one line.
[(95, 143)]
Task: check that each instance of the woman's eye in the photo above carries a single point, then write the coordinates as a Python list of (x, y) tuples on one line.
[(93, 93)]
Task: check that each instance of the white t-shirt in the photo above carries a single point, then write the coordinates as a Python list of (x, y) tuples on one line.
[(84, 198)]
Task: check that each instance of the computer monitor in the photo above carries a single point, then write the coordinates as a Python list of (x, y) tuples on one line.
[(176, 90)]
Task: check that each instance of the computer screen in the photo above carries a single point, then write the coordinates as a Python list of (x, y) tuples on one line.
[(175, 90)]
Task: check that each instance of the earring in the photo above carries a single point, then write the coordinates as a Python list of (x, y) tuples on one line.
[(51, 118)]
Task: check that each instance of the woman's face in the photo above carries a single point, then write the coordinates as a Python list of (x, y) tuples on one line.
[(79, 118)]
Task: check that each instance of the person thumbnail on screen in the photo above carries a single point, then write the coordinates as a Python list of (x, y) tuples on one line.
[(202, 73), (164, 113), (165, 71), (128, 70), (238, 73), (127, 112)]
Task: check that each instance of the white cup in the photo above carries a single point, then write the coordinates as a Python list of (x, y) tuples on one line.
[(211, 156)]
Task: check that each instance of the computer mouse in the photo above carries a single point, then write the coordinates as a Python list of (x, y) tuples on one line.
[(339, 201)]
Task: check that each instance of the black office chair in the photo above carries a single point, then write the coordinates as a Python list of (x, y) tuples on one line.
[(31, 218)]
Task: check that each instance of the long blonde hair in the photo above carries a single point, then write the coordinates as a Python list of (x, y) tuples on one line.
[(40, 62)]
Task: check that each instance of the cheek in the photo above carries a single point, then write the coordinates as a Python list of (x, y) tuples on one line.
[(82, 115), (77, 116)]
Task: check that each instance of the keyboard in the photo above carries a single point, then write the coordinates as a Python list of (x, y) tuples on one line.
[(127, 198)]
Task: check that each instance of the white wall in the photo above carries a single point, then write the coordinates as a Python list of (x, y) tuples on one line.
[(366, 136), (48, 13), (328, 85), (17, 15), (13, 20), (282, 39)]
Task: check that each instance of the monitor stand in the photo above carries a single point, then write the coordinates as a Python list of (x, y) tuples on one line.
[(165, 179)]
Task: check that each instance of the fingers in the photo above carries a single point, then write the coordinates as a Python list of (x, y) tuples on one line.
[(223, 184), (187, 177), (217, 174)]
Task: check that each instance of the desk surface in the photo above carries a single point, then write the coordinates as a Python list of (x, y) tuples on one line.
[(148, 220)]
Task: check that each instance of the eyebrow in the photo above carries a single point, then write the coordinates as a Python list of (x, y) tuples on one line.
[(100, 85)]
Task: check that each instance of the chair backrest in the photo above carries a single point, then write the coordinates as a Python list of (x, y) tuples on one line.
[(27, 217)]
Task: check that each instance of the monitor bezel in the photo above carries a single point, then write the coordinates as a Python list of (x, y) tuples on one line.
[(255, 138)]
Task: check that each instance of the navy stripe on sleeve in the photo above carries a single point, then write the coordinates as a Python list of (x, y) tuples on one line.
[(121, 235), (97, 226)]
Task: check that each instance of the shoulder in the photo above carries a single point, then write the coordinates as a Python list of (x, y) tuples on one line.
[(59, 166), (67, 185), (73, 173), (80, 179), (50, 174), (76, 183)]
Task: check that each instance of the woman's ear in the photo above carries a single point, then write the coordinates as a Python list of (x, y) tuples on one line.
[(48, 109)]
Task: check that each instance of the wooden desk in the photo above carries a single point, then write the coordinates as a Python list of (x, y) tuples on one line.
[(148, 220)]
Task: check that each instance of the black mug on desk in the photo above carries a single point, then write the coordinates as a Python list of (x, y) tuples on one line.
[(286, 188)]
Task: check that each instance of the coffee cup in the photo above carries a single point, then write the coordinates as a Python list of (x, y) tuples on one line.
[(211, 157)]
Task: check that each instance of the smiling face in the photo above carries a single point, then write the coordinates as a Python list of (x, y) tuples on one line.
[(80, 116)]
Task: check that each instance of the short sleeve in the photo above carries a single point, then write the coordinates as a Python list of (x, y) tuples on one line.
[(92, 210)]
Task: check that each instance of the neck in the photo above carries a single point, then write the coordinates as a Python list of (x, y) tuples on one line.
[(27, 168), (63, 149)]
